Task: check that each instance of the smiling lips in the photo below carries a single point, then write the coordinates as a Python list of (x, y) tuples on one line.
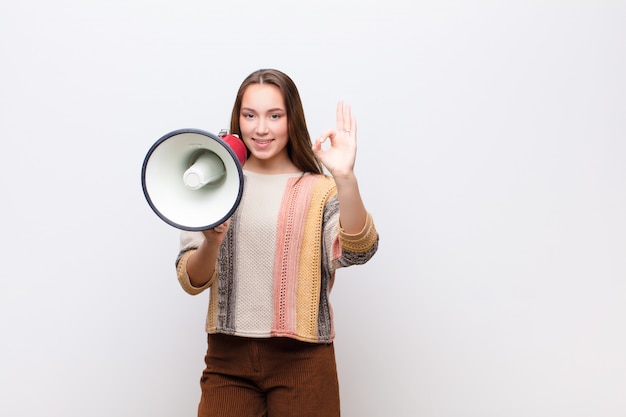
[(262, 142)]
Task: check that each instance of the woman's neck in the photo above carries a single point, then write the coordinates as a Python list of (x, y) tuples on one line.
[(262, 166)]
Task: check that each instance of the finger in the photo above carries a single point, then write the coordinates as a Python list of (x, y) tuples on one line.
[(347, 117), (349, 121), (339, 115), (222, 227), (328, 134), (344, 118)]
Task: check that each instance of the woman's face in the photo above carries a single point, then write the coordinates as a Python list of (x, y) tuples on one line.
[(263, 123)]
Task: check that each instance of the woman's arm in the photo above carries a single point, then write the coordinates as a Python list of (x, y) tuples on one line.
[(339, 159), (201, 263)]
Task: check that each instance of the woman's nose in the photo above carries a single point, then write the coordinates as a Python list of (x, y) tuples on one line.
[(261, 127)]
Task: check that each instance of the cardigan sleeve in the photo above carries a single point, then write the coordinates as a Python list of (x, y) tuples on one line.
[(189, 242), (183, 276), (357, 249)]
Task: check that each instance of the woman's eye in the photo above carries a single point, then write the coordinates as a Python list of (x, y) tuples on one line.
[(248, 115), (275, 116)]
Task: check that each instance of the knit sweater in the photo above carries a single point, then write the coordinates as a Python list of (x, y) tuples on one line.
[(277, 263)]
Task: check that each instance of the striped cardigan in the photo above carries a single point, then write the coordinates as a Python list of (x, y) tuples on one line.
[(290, 275)]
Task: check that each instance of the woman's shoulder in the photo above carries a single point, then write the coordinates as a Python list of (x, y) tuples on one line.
[(321, 188), (322, 178), (321, 181)]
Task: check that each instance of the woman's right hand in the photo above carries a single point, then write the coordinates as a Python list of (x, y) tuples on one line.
[(217, 234)]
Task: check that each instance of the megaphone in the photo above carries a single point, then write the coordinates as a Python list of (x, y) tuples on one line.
[(193, 179)]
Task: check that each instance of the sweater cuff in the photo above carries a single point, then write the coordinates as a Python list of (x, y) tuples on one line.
[(183, 276), (362, 241)]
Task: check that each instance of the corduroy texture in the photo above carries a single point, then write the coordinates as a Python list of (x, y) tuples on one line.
[(275, 377)]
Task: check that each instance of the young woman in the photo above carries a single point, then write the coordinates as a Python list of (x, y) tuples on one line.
[(271, 266)]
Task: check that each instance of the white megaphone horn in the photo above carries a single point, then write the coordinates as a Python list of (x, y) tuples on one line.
[(192, 179)]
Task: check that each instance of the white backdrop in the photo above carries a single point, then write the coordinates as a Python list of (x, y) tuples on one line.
[(492, 154)]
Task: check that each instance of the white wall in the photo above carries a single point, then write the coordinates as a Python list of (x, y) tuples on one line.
[(492, 154)]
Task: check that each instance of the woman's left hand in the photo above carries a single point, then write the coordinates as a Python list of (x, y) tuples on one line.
[(339, 157)]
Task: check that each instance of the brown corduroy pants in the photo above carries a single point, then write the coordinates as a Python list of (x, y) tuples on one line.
[(275, 377)]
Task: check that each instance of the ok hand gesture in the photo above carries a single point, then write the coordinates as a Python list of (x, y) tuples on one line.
[(338, 157)]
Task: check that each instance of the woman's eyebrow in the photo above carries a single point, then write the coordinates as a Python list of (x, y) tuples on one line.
[(273, 110)]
